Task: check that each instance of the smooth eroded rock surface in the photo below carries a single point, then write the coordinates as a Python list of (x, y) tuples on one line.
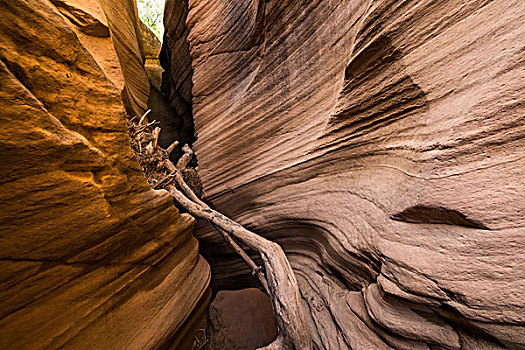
[(127, 34), (91, 257), (177, 77), (381, 144)]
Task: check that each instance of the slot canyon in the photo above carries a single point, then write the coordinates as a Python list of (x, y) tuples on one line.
[(380, 143)]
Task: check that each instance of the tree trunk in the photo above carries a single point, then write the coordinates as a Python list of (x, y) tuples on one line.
[(282, 287)]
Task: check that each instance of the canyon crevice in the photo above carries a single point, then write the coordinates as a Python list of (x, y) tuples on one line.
[(379, 143)]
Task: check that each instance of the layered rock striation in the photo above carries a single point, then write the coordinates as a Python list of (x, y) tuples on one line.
[(240, 319), (381, 144), (91, 257)]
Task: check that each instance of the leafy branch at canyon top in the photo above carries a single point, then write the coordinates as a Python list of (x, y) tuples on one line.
[(277, 277), (151, 12)]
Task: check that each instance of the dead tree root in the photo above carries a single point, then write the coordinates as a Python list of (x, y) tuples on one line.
[(278, 278)]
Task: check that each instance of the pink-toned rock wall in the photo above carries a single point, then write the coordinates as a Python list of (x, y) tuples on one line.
[(177, 77), (90, 256), (381, 144)]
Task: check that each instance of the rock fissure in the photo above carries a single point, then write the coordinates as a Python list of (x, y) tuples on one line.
[(379, 143)]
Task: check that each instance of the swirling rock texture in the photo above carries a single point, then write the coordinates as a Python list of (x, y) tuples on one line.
[(381, 144), (91, 257)]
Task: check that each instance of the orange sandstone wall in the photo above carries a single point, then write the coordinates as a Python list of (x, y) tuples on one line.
[(91, 257)]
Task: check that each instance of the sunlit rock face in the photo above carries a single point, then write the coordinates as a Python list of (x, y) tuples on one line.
[(91, 257), (240, 319), (381, 144)]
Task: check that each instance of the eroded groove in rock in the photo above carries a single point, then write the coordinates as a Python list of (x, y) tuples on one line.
[(345, 115), (81, 17), (436, 215)]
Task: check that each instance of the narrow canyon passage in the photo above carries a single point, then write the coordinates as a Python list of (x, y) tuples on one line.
[(379, 143)]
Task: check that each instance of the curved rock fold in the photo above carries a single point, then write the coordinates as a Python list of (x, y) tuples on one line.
[(380, 144)]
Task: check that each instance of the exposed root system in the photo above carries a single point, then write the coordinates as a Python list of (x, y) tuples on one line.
[(277, 277)]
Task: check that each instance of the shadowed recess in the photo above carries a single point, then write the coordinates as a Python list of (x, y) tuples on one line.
[(421, 214)]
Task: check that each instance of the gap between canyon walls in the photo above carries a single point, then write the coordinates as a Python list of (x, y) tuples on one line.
[(171, 100), (236, 318), (173, 108)]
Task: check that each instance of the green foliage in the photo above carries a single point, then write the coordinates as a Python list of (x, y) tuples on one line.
[(151, 12)]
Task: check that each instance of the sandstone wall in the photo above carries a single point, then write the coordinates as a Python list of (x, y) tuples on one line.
[(91, 257), (381, 144)]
